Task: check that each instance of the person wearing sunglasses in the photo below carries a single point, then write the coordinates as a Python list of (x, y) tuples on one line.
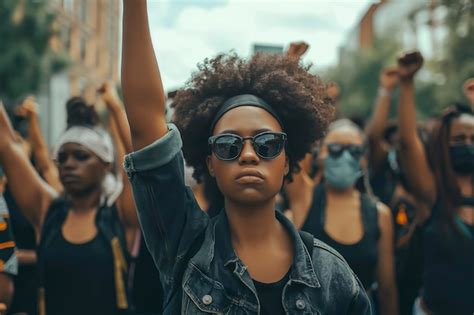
[(244, 124), (441, 177), (84, 234), (341, 211)]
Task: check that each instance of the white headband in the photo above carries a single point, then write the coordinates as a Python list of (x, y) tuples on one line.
[(96, 140)]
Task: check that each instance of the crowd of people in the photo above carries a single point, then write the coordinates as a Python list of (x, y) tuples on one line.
[(244, 193)]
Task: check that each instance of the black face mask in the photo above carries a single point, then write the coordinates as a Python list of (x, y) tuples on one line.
[(462, 158)]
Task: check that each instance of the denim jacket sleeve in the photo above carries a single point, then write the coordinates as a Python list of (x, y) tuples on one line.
[(360, 302), (169, 215)]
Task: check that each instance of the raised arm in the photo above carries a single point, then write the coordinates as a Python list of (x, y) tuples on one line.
[(141, 81), (117, 115), (378, 122), (387, 288), (169, 215), (44, 164), (32, 194), (413, 156), (125, 204)]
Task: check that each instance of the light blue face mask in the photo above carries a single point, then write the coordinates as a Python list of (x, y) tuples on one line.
[(343, 171)]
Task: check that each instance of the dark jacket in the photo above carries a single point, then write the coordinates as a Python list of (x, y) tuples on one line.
[(199, 269)]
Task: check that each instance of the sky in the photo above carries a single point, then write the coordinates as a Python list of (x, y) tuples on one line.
[(185, 32)]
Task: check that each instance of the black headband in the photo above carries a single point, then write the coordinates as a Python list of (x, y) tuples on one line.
[(243, 100)]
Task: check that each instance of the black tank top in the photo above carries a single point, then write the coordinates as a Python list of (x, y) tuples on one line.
[(79, 278), (361, 256)]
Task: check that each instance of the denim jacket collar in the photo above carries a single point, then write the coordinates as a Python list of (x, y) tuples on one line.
[(218, 239)]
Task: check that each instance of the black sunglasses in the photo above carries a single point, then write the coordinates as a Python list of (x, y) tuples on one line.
[(228, 146), (336, 149)]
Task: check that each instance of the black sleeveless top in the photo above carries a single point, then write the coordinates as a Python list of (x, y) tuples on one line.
[(78, 278), (361, 256)]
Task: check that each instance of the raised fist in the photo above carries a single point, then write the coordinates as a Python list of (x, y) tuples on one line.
[(408, 64), (28, 108), (108, 93), (297, 49)]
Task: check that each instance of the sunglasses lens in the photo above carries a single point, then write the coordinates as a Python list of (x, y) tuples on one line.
[(227, 147), (269, 145), (335, 149), (356, 151)]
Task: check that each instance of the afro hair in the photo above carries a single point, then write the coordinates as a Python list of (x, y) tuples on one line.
[(298, 97)]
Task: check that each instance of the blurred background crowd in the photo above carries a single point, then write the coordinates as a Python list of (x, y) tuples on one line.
[(412, 137)]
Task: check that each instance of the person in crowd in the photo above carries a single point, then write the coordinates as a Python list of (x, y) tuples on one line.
[(341, 212), (34, 146), (85, 232), (442, 178), (8, 260), (245, 123), (144, 282), (387, 176), (468, 90)]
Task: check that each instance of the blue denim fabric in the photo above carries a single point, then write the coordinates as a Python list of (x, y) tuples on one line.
[(199, 269)]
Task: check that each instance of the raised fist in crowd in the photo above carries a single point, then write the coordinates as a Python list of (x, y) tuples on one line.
[(408, 64)]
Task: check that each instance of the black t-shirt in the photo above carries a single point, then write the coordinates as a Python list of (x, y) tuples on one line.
[(269, 295)]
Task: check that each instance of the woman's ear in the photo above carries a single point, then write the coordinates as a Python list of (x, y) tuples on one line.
[(210, 168), (287, 165)]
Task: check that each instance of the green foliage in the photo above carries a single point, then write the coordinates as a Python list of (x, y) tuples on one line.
[(440, 84), (459, 49), (358, 76), (26, 60)]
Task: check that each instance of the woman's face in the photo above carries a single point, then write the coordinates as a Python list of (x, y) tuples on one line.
[(80, 170), (344, 136), (341, 158), (462, 130), (249, 179)]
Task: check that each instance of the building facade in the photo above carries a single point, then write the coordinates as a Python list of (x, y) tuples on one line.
[(88, 30)]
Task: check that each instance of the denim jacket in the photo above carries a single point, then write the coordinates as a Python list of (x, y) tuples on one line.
[(199, 269)]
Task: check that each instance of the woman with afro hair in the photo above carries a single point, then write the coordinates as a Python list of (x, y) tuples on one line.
[(245, 124)]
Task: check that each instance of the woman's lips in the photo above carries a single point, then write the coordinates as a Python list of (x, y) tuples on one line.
[(69, 178), (249, 177)]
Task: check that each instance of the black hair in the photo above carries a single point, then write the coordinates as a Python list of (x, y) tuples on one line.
[(79, 113), (449, 193), (298, 97)]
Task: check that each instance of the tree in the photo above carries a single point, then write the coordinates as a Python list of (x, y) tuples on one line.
[(358, 75), (442, 81), (26, 59), (458, 64)]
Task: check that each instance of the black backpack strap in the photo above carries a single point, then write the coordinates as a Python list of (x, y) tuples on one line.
[(308, 240)]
